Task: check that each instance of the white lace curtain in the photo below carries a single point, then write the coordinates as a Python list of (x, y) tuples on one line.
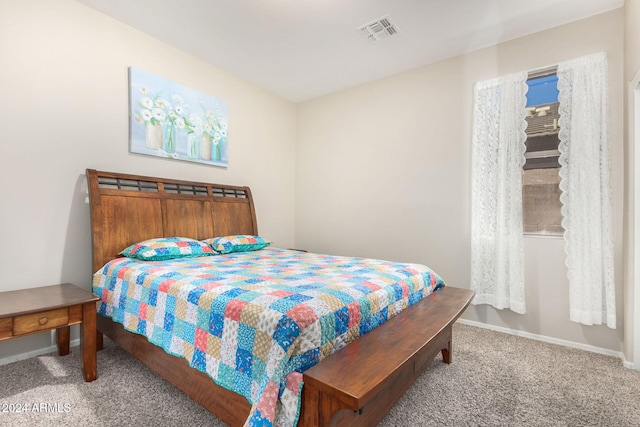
[(586, 189), (497, 269)]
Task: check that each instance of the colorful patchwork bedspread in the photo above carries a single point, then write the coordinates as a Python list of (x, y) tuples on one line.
[(253, 321)]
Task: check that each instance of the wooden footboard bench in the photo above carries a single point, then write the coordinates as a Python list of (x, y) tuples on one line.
[(359, 384)]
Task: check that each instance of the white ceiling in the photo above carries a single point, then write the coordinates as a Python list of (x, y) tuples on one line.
[(301, 49)]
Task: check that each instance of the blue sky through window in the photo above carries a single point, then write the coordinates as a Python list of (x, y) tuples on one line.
[(542, 90)]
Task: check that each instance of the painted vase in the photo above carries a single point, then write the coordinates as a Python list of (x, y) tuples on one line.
[(205, 147), (169, 138), (193, 145), (215, 152), (153, 136)]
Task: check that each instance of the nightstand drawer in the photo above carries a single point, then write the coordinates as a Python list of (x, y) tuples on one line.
[(40, 321)]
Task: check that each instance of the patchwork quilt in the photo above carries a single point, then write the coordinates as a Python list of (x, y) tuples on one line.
[(254, 321)]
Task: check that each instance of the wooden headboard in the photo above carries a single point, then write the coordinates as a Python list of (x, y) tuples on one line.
[(126, 209)]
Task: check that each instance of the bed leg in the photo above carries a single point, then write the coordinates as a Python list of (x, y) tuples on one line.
[(446, 353), (99, 341)]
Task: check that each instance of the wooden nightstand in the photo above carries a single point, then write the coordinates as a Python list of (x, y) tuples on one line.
[(29, 311)]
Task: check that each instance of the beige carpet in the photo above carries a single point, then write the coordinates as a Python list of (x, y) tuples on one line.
[(495, 380)]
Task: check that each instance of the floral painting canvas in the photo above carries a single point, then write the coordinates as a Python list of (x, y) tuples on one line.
[(174, 121)]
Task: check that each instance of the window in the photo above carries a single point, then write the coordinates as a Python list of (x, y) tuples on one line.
[(541, 181)]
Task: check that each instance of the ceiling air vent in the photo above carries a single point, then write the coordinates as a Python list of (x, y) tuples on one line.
[(379, 29)]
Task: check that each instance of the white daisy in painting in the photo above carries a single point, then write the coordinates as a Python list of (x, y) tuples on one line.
[(177, 99), (163, 103), (146, 102), (158, 114), (195, 119)]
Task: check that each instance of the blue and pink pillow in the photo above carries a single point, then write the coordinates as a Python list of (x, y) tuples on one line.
[(237, 243), (164, 248)]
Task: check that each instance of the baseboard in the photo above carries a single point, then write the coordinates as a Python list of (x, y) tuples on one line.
[(550, 340), (35, 353), (543, 338)]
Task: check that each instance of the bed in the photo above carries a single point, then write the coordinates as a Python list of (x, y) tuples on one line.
[(356, 385)]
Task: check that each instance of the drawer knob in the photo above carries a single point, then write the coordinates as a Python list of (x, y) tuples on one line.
[(43, 321)]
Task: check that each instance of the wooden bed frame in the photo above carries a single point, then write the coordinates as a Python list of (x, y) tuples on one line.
[(355, 386)]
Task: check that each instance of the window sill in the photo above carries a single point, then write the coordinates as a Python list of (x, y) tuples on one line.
[(543, 236)]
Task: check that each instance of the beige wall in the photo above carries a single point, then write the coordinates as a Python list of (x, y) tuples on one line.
[(632, 37), (64, 108), (383, 170), (632, 118)]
